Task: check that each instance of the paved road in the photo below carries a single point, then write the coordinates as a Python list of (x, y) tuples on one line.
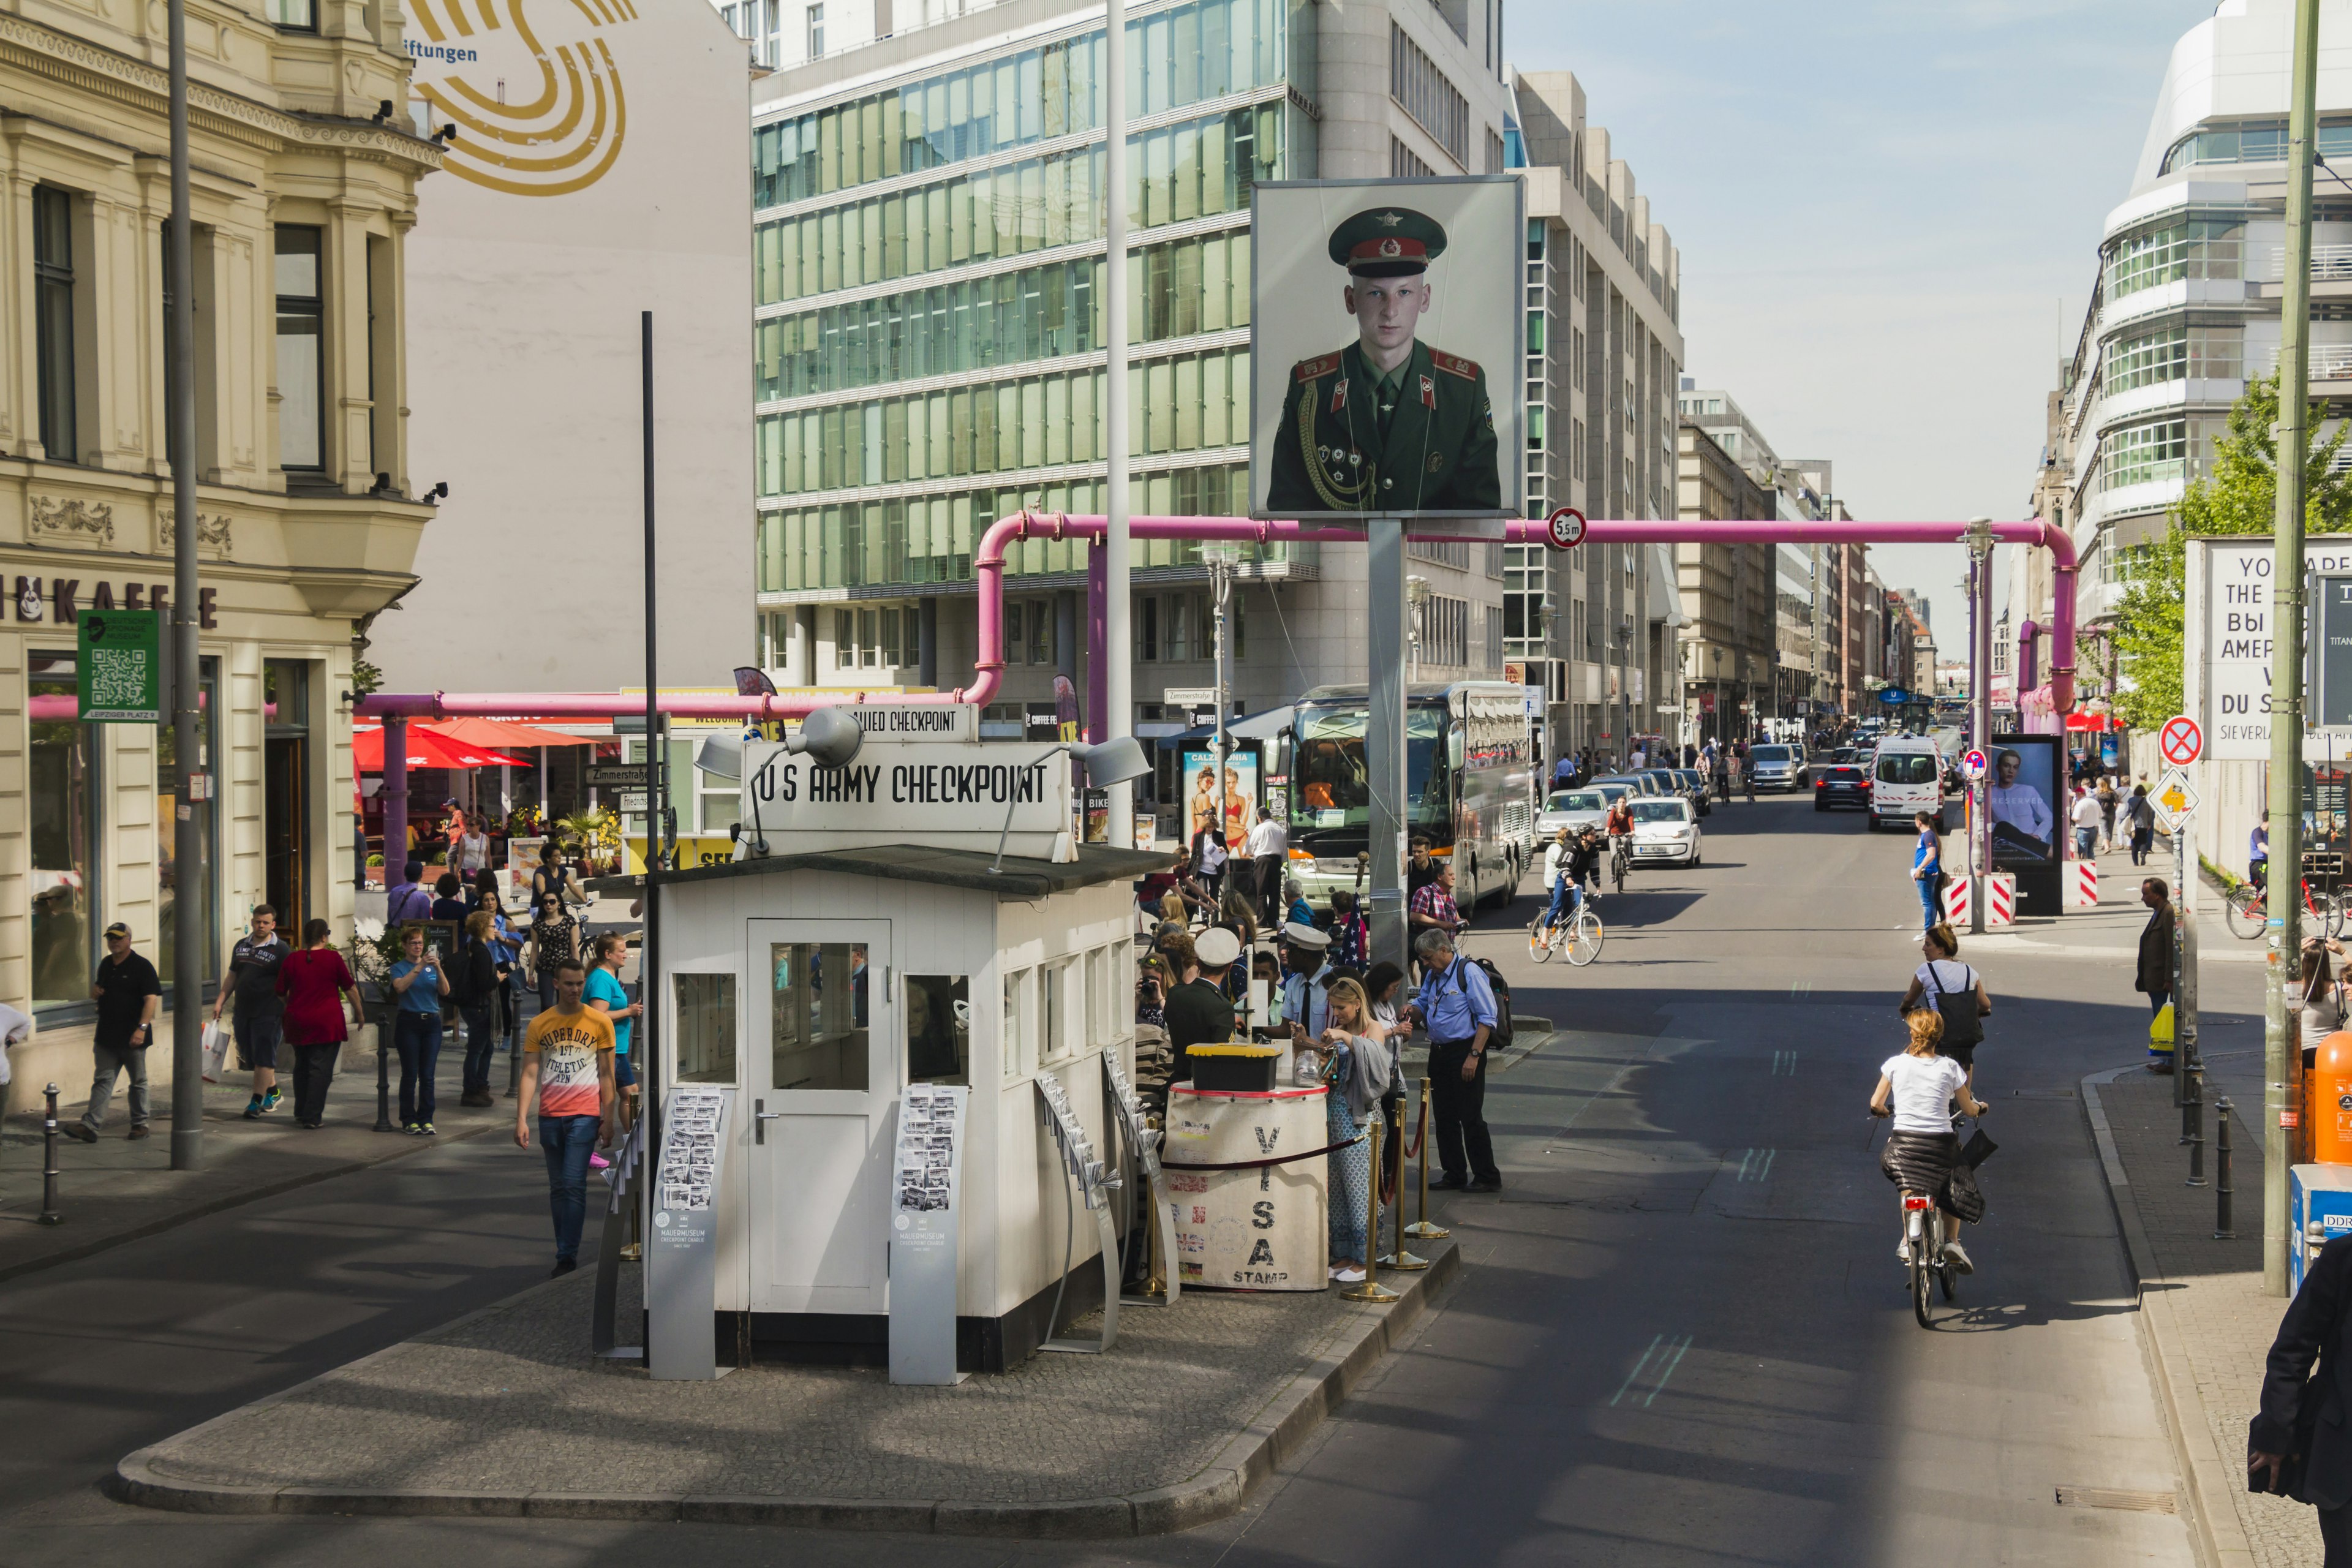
[(1683, 1338)]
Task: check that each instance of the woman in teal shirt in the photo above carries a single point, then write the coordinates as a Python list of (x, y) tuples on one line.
[(608, 995)]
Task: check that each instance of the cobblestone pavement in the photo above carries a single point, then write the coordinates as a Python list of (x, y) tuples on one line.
[(508, 1400), (2218, 1319), (117, 1188)]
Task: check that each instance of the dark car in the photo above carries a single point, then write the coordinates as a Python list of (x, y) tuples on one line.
[(1841, 784)]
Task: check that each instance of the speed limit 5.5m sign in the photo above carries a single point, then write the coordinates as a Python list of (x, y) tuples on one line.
[(2181, 741)]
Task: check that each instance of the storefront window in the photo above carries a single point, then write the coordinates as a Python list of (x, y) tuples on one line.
[(706, 1028), (61, 791), (167, 801)]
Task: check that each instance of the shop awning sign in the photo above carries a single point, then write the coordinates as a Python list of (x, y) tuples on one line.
[(119, 667)]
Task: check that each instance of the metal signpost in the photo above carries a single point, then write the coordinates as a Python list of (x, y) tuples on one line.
[(925, 1187), (2175, 804), (682, 1245)]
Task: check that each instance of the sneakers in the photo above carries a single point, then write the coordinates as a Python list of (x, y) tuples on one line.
[(138, 1131), (1903, 1252), (1348, 1275), (425, 1130), (563, 1266), (253, 1107), (598, 1162), (270, 1101), (81, 1130), (1958, 1257), (414, 1129)]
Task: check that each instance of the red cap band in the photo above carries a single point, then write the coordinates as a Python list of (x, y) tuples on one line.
[(1389, 249)]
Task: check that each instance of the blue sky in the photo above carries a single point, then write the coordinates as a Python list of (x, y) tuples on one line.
[(1879, 207)]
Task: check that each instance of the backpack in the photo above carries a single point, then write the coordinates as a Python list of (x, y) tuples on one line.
[(1962, 1023), (1498, 1038)]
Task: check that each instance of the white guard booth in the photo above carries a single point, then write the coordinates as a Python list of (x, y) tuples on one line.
[(821, 981)]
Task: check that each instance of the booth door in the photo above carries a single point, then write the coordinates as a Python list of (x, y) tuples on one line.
[(822, 1090)]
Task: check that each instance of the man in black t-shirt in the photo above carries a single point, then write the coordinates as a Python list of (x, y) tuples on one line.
[(252, 980), (127, 994)]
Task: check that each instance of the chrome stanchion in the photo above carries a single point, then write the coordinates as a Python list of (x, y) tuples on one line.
[(1401, 1261), (1371, 1289), (49, 1215), (1423, 1230)]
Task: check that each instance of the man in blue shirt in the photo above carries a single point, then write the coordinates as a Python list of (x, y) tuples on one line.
[(1457, 1007), (1307, 964)]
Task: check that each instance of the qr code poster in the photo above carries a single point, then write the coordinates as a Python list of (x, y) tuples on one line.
[(119, 667)]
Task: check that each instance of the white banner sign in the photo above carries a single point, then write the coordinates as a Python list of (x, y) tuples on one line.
[(913, 792), (920, 722), (2229, 627)]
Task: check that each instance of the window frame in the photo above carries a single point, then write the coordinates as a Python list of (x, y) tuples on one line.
[(312, 308), (55, 300)]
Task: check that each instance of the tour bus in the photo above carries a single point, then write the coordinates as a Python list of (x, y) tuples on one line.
[(1471, 766)]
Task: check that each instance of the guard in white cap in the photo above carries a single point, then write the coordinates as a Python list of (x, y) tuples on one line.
[(1198, 1013), (1307, 964), (1216, 948)]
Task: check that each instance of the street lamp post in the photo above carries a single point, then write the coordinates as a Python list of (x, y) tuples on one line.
[(192, 940), (1222, 559)]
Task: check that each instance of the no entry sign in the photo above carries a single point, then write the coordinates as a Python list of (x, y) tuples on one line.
[(1566, 528), (2181, 742)]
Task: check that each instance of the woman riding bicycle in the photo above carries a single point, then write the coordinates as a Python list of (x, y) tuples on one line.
[(1918, 1088), (1953, 991), (1621, 819)]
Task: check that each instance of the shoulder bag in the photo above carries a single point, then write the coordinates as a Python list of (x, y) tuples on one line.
[(1962, 1023)]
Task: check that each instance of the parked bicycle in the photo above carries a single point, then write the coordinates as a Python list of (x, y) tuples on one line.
[(2245, 908), (1577, 938)]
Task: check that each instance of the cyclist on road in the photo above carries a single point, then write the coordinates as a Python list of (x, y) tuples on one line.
[(1619, 826), (1555, 867), (1918, 1088), (1568, 860)]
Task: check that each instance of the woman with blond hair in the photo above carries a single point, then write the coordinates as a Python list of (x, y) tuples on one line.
[(1918, 1090), (1355, 1075)]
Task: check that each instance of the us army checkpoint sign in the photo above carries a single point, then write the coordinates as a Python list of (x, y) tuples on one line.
[(1387, 334)]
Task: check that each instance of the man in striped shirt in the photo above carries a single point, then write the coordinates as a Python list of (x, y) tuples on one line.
[(567, 1072)]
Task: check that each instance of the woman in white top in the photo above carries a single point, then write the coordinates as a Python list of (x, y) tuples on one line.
[(1941, 976), (473, 850), (2323, 995), (1918, 1088)]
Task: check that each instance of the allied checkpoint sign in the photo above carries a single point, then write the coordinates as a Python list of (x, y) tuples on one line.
[(941, 794), (2228, 624), (1386, 342)]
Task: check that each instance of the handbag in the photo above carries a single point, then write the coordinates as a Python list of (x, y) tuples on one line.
[(1977, 1149)]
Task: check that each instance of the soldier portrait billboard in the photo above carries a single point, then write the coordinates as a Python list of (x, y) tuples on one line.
[(1387, 348)]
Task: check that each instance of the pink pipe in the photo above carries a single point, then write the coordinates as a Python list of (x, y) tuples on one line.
[(988, 571)]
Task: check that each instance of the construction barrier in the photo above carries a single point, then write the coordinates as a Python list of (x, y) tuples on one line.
[(2083, 885), (1956, 901), (2000, 900)]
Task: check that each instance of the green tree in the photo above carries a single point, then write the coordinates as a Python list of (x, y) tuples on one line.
[(2240, 496)]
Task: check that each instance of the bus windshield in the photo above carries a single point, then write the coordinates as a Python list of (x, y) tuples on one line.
[(1328, 785)]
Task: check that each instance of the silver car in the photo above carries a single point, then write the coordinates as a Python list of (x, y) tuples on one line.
[(1570, 808), (1638, 785), (1780, 767)]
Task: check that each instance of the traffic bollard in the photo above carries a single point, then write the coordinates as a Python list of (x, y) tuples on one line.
[(1398, 1261), (2223, 1230), (383, 1070), (2186, 1091), (1421, 1230), (49, 1215), (2192, 1113)]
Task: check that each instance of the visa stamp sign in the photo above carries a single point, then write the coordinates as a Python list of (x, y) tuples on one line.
[(2229, 626)]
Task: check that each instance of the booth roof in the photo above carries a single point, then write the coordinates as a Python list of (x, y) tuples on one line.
[(1022, 878)]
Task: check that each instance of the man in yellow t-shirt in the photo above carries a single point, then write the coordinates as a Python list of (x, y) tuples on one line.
[(567, 1073)]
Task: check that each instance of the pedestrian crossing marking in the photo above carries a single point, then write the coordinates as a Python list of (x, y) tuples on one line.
[(1784, 1064), (1756, 1165), (1665, 1355)]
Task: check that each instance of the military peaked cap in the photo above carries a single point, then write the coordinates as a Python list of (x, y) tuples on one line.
[(1387, 242)]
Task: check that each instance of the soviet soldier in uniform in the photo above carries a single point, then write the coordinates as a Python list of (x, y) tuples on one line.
[(1388, 424)]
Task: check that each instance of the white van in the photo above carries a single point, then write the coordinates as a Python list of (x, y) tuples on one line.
[(1907, 778)]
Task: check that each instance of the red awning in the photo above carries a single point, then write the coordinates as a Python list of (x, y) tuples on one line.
[(2096, 722), (427, 749), (503, 734)]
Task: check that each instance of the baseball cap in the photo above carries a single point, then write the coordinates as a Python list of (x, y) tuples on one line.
[(118, 929)]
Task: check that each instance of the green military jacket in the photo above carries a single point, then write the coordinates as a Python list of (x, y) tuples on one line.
[(1440, 451)]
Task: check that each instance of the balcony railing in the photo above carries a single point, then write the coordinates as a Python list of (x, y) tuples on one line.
[(2329, 264)]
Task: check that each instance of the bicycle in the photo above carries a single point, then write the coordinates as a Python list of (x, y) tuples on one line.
[(1578, 938), (1621, 862), (2245, 909), (1921, 1218)]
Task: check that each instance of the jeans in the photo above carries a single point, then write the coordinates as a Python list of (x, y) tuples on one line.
[(1565, 895), (481, 1044), (417, 1037), (568, 1141), (1930, 909), (2086, 843), (111, 1061), (314, 1069), (1459, 1109), (546, 987)]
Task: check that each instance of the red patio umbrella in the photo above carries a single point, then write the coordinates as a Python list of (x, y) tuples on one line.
[(427, 749), (506, 733)]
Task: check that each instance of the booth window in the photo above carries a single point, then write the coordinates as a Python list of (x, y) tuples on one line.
[(62, 806), (1055, 979), (818, 1015), (706, 1028), (939, 1029), (1015, 1039)]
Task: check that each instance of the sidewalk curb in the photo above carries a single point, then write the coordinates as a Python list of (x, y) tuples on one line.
[(2207, 1476), (1272, 1438)]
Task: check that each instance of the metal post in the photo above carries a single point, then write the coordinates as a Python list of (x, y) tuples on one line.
[(2224, 1228), (2193, 1113), (2179, 959), (383, 1032), (2281, 1053), (641, 1038), (1979, 543), (1371, 1289), (1421, 1230), (49, 1215), (1398, 1259), (189, 904), (1220, 582), (1384, 740), (1117, 675)]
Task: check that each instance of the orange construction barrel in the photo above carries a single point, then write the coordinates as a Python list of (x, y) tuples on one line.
[(2327, 1107)]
